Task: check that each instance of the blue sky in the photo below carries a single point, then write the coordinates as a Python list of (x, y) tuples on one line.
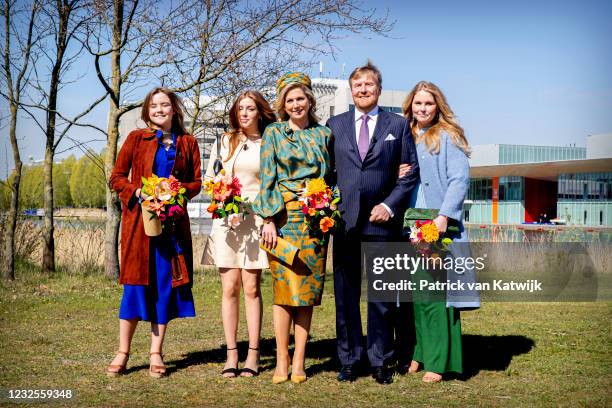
[(524, 72)]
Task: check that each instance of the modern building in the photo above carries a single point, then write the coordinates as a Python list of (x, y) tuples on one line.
[(515, 184)]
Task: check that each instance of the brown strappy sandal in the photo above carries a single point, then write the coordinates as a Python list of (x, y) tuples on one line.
[(115, 370), (157, 371)]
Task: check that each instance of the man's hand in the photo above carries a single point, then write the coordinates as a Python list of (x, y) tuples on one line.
[(379, 214)]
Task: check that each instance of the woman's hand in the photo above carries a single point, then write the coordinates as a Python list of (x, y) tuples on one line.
[(268, 235), (403, 170), (139, 194), (441, 222)]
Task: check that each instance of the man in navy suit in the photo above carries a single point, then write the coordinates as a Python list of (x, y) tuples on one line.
[(369, 146)]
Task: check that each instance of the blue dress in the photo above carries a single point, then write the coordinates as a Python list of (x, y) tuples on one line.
[(158, 302)]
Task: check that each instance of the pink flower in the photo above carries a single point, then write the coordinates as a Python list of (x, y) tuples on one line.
[(176, 211), (234, 220), (162, 217), (155, 206), (236, 186), (221, 194), (174, 184)]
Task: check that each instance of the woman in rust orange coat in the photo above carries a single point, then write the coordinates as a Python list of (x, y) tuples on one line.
[(151, 291)]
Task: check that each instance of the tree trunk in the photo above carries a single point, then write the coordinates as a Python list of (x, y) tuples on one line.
[(113, 205), (48, 261), (11, 224)]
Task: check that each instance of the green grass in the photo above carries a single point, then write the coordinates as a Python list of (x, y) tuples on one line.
[(61, 333)]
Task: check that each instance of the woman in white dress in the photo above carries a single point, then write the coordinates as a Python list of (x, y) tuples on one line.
[(236, 249)]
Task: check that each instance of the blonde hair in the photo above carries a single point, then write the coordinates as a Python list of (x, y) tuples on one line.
[(279, 104), (444, 120)]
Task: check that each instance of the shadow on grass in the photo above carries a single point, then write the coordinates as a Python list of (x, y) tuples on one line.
[(317, 349), (491, 353)]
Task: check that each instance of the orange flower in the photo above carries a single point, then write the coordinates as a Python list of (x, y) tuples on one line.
[(312, 211), (212, 208), (326, 223)]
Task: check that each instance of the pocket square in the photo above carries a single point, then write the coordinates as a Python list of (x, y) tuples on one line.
[(389, 137)]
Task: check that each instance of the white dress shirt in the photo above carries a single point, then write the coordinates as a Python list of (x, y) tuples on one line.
[(373, 114)]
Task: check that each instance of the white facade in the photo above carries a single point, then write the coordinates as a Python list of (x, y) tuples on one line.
[(484, 155), (599, 146)]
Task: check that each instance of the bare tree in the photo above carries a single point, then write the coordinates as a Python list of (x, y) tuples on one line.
[(63, 21), (14, 78), (209, 51), (233, 45)]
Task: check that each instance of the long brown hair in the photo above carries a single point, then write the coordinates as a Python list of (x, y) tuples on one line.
[(279, 105), (265, 113), (178, 127), (444, 121)]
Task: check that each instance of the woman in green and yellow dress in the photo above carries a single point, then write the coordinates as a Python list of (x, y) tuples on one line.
[(293, 151)]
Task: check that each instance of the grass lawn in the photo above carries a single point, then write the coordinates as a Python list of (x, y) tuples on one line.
[(60, 333)]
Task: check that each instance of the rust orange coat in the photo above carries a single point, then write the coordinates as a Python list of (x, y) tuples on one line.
[(134, 161)]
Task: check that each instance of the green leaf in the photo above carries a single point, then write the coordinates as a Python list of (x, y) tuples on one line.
[(228, 207), (336, 200), (238, 199)]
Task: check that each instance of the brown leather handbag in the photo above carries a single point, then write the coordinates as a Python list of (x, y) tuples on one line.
[(180, 274)]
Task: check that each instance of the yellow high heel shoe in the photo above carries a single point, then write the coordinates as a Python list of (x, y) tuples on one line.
[(279, 379), (295, 378)]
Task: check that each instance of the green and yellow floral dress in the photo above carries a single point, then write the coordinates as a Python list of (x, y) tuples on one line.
[(288, 159)]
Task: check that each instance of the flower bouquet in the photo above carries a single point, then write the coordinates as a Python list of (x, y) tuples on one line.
[(424, 233), (320, 206), (165, 203), (226, 200)]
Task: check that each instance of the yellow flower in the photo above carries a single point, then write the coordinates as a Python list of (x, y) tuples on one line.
[(315, 186), (430, 232)]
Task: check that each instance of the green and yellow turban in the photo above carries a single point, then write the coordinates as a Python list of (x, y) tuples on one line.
[(292, 78)]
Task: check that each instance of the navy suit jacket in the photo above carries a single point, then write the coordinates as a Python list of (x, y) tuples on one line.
[(375, 180)]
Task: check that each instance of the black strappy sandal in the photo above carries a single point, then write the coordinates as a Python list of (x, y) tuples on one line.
[(250, 370), (231, 370)]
